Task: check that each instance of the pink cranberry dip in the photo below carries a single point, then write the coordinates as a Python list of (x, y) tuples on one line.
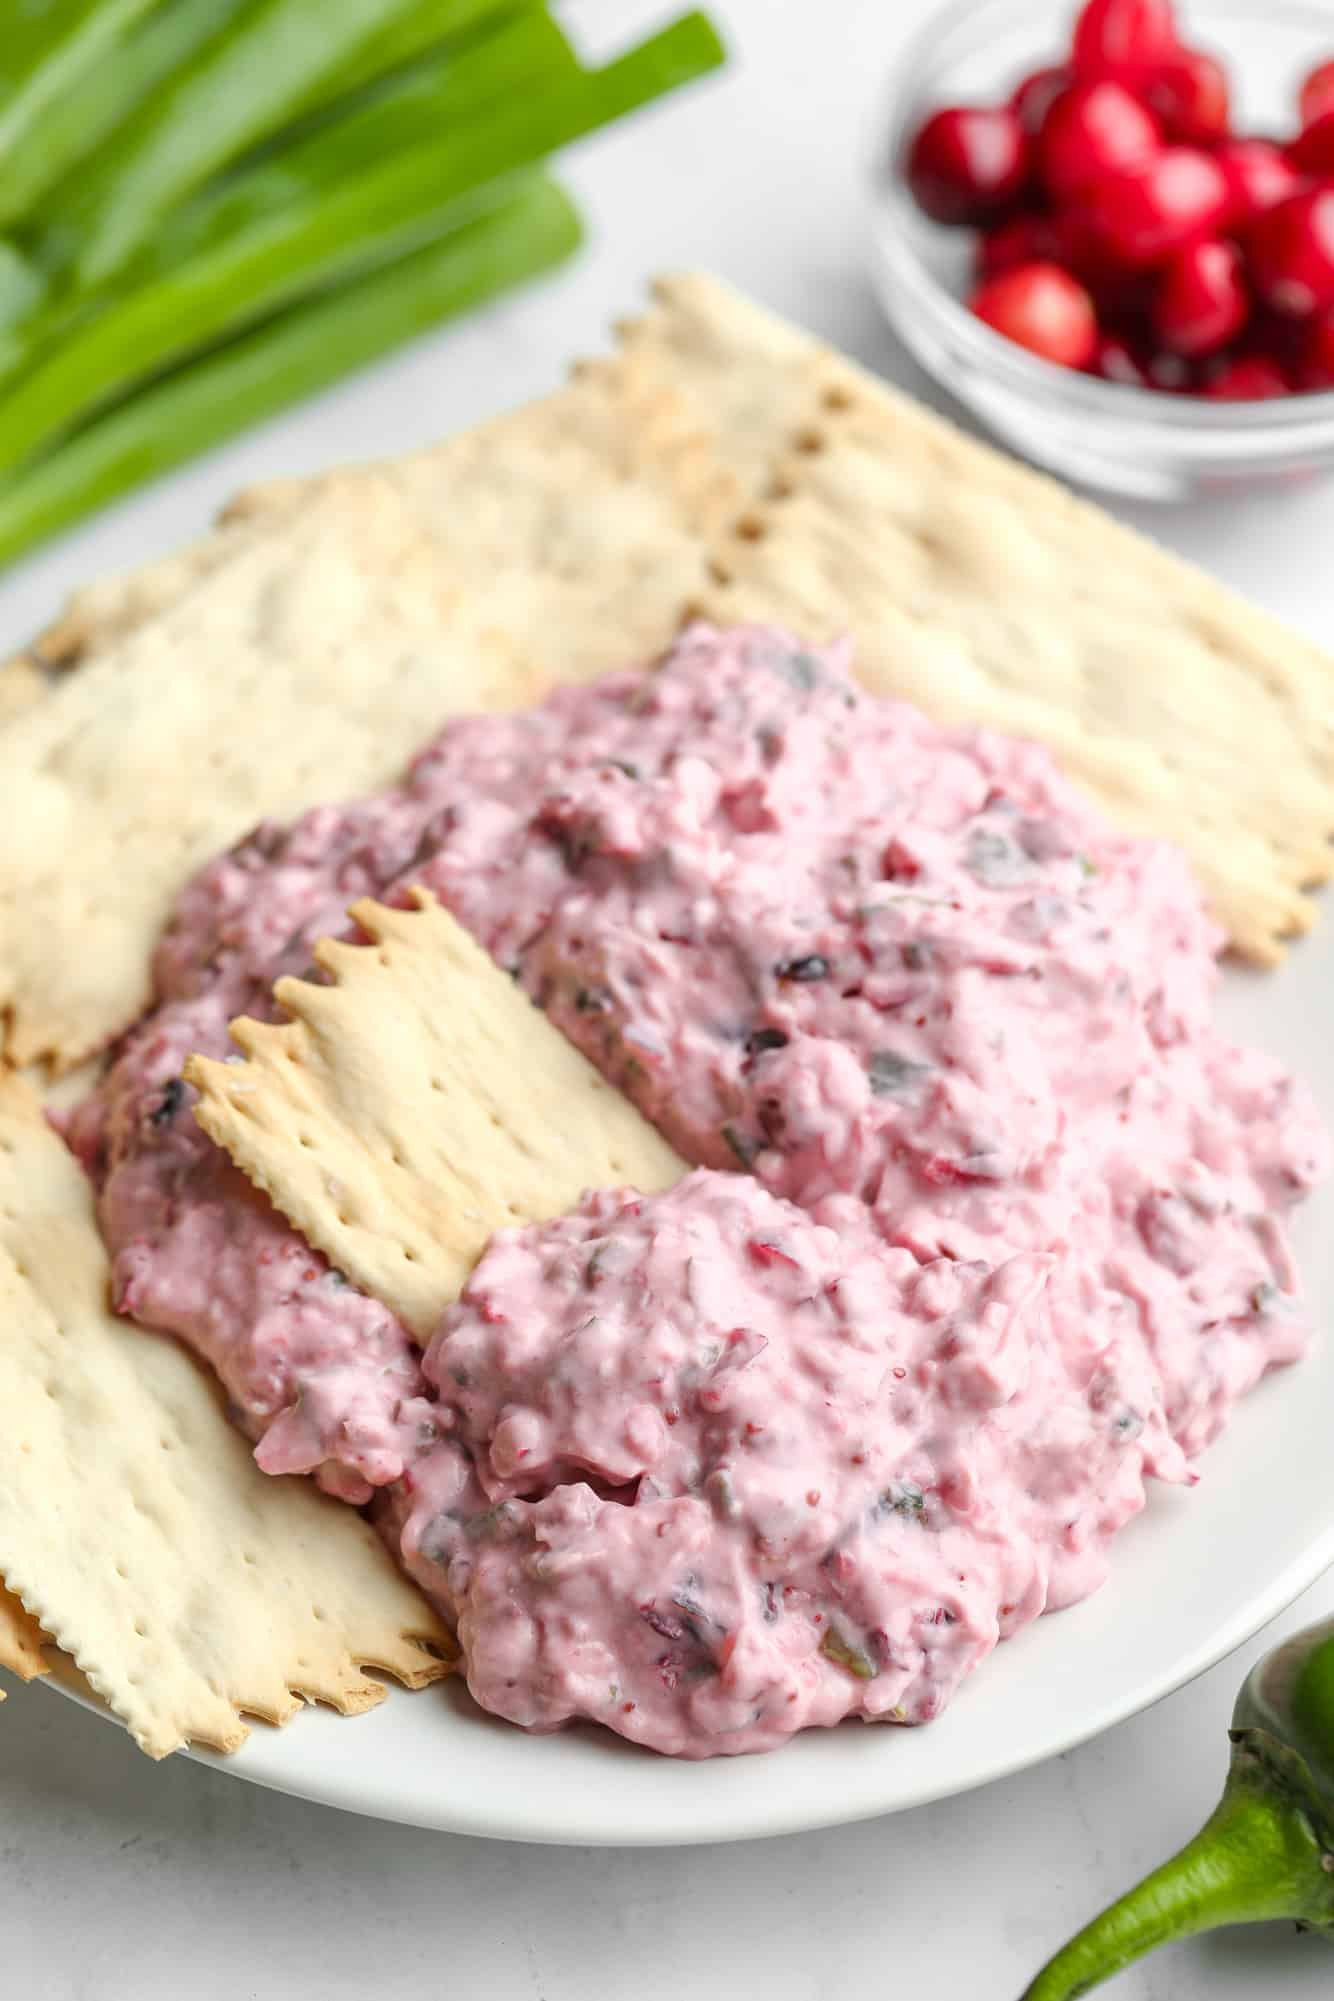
[(986, 1227)]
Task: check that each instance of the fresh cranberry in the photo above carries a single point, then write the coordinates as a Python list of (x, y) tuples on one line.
[(1189, 97), (967, 164), (1276, 336), (1024, 239), (1247, 378), (1031, 100), (1093, 129), (1077, 246), (1144, 216), (1291, 253), (1111, 34), (1317, 93), (1257, 173), (1312, 151), (1120, 297), (1316, 368), (1201, 301), (1042, 308)]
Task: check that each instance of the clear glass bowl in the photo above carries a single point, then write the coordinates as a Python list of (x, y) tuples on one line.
[(1102, 434)]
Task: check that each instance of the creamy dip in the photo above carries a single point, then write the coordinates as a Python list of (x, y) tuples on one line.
[(958, 1031), (715, 1471)]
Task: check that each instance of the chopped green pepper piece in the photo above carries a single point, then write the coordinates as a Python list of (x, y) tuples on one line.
[(835, 1648)]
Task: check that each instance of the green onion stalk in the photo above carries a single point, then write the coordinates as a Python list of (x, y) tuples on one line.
[(292, 356), (49, 48), (1267, 1850), (340, 203), (68, 128), (273, 61)]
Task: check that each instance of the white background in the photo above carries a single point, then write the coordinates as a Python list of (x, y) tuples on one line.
[(119, 1878)]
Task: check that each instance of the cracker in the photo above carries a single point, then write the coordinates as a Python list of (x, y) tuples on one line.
[(986, 593), (414, 1106), (135, 1526), (21, 1640), (20, 683), (101, 613), (314, 660)]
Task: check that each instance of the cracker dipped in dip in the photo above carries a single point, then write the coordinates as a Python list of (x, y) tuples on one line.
[(989, 1226)]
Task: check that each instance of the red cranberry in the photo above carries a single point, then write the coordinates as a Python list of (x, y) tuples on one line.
[(1144, 216), (1125, 305), (1313, 149), (1110, 34), (1042, 308), (1093, 129), (1316, 368), (1276, 337), (1189, 96), (1080, 249), (1031, 100), (1120, 296), (1201, 302), (967, 164), (1247, 378), (1257, 173), (1024, 239), (1291, 253), (1317, 93)]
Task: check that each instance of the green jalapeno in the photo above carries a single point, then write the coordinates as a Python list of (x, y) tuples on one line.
[(1266, 1852)]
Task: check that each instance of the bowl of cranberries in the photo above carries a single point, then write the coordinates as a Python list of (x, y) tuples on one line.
[(1109, 231)]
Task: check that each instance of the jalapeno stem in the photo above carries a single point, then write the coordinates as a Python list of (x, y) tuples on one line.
[(1258, 1857)]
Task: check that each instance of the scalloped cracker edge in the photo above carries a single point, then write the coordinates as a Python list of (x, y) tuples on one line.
[(414, 1106), (188, 1586)]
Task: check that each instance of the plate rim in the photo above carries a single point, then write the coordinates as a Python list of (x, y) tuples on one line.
[(456, 1815)]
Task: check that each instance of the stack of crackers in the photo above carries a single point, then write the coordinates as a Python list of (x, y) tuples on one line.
[(720, 464)]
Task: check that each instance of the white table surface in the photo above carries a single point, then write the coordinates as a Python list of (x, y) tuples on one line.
[(121, 1878)]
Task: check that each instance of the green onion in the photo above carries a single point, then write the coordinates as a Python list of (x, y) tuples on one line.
[(268, 65), (73, 125), (324, 233), (20, 285), (410, 107), (416, 109), (289, 358), (49, 47), (415, 28)]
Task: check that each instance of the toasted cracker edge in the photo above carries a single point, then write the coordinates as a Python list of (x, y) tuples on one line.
[(189, 1587), (416, 1104), (21, 1639)]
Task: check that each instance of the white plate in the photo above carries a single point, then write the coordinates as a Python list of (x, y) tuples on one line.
[(1195, 1576)]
